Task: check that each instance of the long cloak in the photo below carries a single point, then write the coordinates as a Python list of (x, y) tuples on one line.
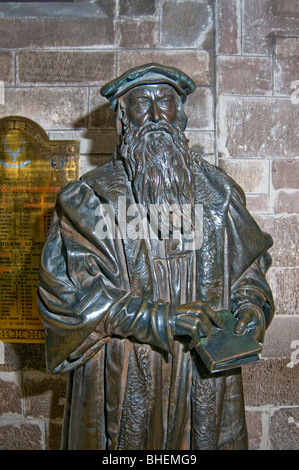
[(107, 306)]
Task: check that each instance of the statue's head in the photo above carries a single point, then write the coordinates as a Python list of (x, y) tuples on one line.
[(149, 94), (151, 121)]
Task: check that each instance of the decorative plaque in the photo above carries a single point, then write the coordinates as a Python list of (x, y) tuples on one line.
[(32, 170)]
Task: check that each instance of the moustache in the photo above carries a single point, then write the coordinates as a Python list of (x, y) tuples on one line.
[(152, 128)]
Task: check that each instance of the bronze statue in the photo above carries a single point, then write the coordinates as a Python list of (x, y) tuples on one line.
[(142, 255)]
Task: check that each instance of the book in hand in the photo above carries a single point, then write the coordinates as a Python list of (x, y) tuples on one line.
[(223, 349)]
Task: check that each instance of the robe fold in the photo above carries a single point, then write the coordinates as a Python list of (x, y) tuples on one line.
[(107, 307)]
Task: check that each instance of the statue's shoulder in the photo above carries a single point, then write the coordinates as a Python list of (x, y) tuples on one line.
[(99, 173), (75, 191), (108, 178)]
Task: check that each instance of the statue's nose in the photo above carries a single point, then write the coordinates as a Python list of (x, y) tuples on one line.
[(155, 114)]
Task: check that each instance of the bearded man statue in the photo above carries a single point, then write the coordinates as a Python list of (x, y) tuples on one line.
[(141, 256)]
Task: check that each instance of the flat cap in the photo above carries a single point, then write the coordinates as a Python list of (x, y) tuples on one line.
[(148, 74)]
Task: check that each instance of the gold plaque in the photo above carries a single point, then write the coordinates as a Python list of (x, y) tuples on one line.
[(32, 170)]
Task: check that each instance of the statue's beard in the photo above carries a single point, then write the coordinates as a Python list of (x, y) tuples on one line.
[(158, 163)]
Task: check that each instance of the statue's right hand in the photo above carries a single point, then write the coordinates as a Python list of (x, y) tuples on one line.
[(195, 320)]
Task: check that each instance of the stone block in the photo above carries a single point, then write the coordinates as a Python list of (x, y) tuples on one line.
[(101, 142), (201, 142), (23, 436), (94, 143), (23, 357), (257, 46), (196, 64), (282, 338), (65, 67), (271, 382), (251, 175), (228, 27), (91, 162), (265, 18), (288, 9), (284, 429), (284, 231), (100, 115), (285, 174), (284, 283), (7, 70), (10, 394), (137, 7), (44, 395), (245, 75), (187, 24), (200, 109), (138, 33), (30, 33), (254, 429), (286, 202), (286, 73), (258, 127), (258, 203), (54, 436), (51, 108)]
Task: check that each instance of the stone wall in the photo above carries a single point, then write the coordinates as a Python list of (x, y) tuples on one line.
[(257, 143), (243, 55)]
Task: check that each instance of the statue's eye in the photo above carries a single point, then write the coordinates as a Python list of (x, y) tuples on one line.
[(166, 102), (141, 105)]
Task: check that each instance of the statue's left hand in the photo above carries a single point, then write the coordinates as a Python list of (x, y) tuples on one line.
[(251, 319)]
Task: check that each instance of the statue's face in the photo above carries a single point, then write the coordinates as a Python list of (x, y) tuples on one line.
[(151, 104)]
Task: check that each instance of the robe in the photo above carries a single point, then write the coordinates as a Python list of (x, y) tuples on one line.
[(107, 307)]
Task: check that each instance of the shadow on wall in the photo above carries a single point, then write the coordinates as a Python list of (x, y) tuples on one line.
[(101, 134)]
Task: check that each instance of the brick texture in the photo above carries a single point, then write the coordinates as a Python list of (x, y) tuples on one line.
[(254, 429), (52, 108), (137, 7), (67, 67), (285, 174), (251, 175), (44, 395), (286, 66), (25, 436), (135, 33), (258, 127), (284, 429), (228, 27), (10, 394), (282, 336), (7, 68), (262, 18), (186, 24), (271, 382), (284, 231), (245, 75), (257, 105)]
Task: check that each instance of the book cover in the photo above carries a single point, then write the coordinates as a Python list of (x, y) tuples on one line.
[(223, 349)]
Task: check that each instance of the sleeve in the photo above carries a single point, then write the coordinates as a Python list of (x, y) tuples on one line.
[(83, 293), (253, 290), (250, 260)]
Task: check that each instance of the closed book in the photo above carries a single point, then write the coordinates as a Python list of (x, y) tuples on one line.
[(223, 349)]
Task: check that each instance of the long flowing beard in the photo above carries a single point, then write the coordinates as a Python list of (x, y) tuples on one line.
[(158, 163)]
